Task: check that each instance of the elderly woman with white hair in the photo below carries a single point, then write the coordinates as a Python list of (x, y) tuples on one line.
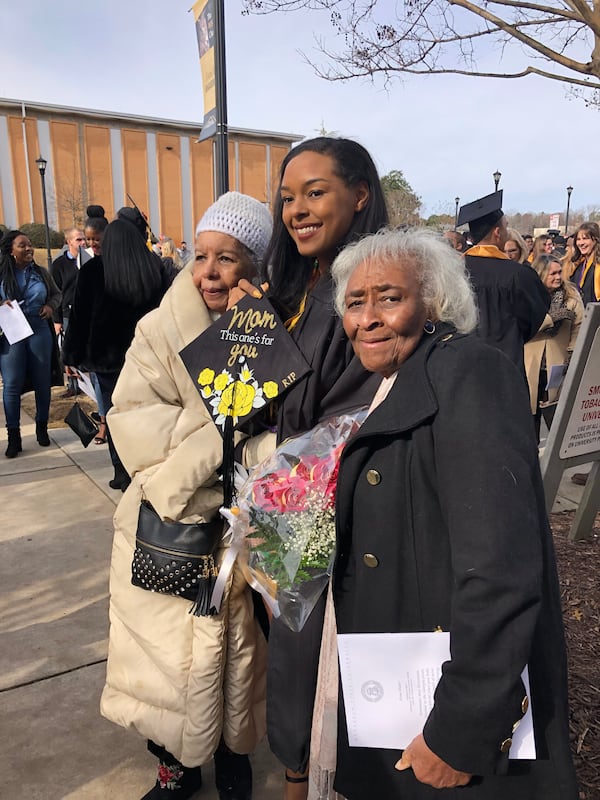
[(441, 526), (193, 686)]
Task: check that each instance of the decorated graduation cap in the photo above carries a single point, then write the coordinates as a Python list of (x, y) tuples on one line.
[(240, 363), (481, 215)]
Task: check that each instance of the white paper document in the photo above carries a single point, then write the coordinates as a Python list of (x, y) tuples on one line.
[(388, 681), (86, 385), (14, 323)]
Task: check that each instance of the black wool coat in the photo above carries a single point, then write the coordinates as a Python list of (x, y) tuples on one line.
[(65, 272), (101, 327), (442, 485)]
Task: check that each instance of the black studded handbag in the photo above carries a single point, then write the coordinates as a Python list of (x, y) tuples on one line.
[(176, 558)]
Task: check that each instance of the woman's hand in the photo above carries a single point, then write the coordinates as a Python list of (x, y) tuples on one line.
[(46, 312), (429, 768), (243, 288)]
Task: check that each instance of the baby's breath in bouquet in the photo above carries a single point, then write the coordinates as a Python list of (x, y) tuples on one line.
[(286, 514)]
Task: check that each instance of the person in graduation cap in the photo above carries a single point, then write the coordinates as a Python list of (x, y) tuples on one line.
[(511, 298), (194, 686)]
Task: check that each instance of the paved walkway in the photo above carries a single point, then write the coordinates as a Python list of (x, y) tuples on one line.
[(55, 544)]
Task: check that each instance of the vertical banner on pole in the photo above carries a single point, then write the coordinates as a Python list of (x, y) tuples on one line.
[(204, 15)]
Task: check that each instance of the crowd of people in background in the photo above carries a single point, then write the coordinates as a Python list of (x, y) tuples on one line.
[(436, 334)]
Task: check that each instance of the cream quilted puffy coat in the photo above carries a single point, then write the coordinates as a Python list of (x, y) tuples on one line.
[(180, 680)]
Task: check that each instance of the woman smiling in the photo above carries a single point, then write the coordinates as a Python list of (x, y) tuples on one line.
[(329, 195), (441, 524), (583, 269)]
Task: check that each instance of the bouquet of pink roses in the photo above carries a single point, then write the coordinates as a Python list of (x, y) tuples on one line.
[(286, 515)]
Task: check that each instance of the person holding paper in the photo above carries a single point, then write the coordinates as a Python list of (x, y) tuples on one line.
[(194, 686), (553, 345), (23, 281), (441, 524)]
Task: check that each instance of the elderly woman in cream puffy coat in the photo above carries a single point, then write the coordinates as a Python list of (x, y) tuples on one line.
[(193, 686)]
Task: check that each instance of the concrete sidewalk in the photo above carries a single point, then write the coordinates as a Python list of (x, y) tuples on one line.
[(55, 544)]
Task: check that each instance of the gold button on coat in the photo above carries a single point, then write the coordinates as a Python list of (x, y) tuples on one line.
[(525, 704), (373, 477), (370, 560), (505, 746)]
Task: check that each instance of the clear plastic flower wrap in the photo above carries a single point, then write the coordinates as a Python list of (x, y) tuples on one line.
[(285, 516)]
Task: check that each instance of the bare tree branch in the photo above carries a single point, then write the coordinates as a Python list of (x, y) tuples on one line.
[(428, 37), (515, 32), (557, 12)]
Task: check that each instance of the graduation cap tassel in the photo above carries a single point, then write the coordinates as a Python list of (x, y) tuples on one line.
[(228, 462), (229, 455)]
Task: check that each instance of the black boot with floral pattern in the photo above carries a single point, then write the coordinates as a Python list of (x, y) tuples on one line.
[(175, 782)]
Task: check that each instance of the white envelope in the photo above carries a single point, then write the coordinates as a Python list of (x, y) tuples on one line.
[(388, 681)]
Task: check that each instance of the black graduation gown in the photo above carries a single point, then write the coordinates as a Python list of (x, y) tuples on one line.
[(337, 383), (512, 303)]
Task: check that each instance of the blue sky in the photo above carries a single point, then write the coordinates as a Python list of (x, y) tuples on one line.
[(447, 134)]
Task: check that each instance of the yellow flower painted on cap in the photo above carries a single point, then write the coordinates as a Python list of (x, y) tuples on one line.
[(206, 391), (206, 376), (221, 381), (237, 399), (270, 389)]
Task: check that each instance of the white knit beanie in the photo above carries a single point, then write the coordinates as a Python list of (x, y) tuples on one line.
[(242, 217)]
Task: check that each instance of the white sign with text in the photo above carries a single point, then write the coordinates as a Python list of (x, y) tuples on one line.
[(582, 435)]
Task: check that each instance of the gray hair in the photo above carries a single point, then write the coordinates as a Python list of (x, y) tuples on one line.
[(445, 288)]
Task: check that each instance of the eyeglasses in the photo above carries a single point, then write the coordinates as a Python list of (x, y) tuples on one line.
[(512, 251)]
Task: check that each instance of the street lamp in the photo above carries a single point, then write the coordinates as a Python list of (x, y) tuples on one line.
[(42, 163), (456, 202), (569, 190), (496, 176)]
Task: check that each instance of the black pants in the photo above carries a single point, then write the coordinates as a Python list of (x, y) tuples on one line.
[(107, 382)]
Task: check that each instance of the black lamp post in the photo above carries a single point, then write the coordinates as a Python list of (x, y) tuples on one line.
[(221, 147), (569, 190), (456, 202), (42, 163), (496, 176)]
